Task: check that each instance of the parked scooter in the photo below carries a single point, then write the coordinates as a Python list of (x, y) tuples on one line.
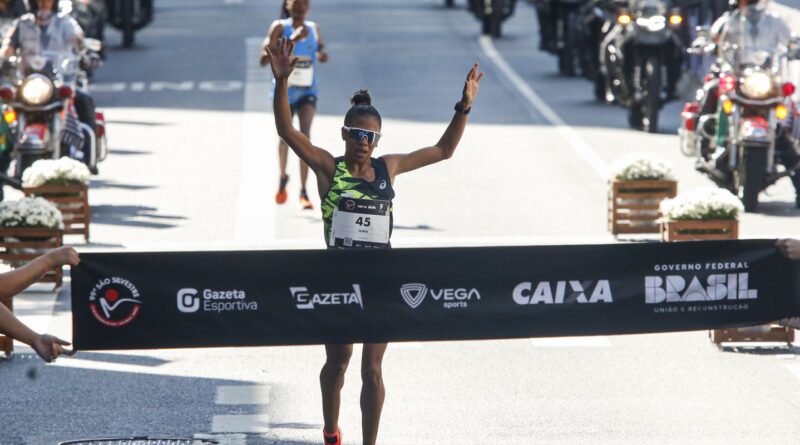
[(129, 16), (492, 14), (641, 59), (755, 103)]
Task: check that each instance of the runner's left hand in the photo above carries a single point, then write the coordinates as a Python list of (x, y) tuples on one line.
[(471, 86)]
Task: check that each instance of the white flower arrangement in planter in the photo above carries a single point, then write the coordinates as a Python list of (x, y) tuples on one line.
[(64, 171), (641, 167), (702, 204), (30, 213)]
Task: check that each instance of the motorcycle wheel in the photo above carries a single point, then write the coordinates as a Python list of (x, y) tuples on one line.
[(496, 19), (127, 24), (24, 162), (651, 104), (566, 65), (755, 172), (600, 88), (566, 55)]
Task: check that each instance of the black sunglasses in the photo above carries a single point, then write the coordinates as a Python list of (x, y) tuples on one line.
[(357, 134)]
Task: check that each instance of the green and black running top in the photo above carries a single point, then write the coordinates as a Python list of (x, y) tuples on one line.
[(357, 212)]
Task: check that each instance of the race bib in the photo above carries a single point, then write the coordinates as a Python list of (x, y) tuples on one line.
[(360, 223), (303, 74)]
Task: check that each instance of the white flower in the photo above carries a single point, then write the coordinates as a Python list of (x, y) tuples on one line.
[(641, 166), (61, 171), (30, 212), (704, 203)]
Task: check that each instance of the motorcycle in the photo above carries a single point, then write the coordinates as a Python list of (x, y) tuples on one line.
[(129, 16), (566, 15), (755, 104), (596, 19), (45, 118), (492, 14), (640, 60)]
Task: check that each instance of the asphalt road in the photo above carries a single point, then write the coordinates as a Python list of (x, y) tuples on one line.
[(193, 166)]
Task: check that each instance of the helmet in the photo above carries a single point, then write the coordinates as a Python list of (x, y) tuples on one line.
[(754, 8), (33, 5)]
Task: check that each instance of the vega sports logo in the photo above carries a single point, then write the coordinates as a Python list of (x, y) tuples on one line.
[(414, 294), (115, 302)]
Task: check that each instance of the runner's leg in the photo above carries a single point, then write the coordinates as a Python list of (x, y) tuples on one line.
[(306, 116), (331, 380), (372, 390), (283, 156)]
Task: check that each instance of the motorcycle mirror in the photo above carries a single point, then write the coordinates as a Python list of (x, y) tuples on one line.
[(794, 47), (93, 44), (703, 31)]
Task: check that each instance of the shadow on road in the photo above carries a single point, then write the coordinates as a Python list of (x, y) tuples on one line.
[(143, 123), (104, 183), (82, 402), (137, 360), (132, 216), (775, 349), (778, 208)]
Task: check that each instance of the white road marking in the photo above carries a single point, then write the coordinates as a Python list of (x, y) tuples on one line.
[(240, 423), (188, 86), (233, 2), (795, 369), (243, 395), (583, 149), (572, 342), (255, 213), (224, 439)]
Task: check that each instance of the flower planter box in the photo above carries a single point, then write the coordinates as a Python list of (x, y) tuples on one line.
[(772, 333), (693, 230), (73, 202), (20, 245), (6, 343), (633, 205)]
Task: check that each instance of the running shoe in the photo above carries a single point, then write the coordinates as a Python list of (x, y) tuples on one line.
[(332, 439), (281, 196), (304, 201)]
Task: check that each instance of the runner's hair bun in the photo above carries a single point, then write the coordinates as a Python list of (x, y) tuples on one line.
[(361, 97)]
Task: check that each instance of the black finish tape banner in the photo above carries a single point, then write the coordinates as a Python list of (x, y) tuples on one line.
[(252, 298)]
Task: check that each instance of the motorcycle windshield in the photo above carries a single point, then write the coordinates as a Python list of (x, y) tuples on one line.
[(62, 64), (649, 8)]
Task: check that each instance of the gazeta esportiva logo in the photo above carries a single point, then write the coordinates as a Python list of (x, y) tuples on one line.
[(115, 302)]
